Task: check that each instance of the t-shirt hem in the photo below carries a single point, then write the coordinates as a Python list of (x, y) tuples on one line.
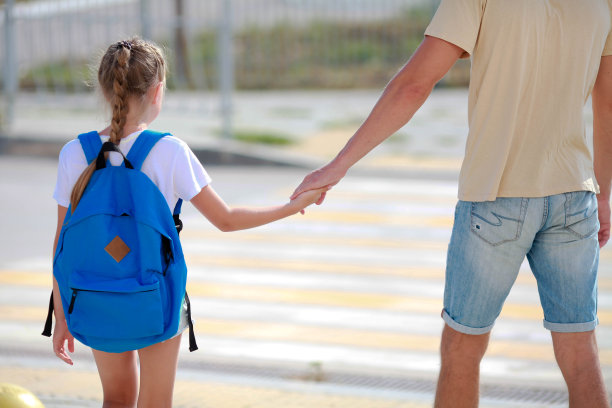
[(449, 38), (526, 194), (192, 194), (61, 202)]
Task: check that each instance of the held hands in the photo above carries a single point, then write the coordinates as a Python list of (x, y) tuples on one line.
[(307, 198), (61, 336), (323, 178)]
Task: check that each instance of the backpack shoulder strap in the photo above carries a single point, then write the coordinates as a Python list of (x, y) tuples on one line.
[(141, 148), (91, 144)]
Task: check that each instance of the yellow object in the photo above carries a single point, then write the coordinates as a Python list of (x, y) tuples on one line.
[(14, 396)]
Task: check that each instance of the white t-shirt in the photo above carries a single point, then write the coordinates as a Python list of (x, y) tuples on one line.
[(171, 165)]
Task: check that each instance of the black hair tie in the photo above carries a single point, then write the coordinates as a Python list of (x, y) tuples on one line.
[(125, 44)]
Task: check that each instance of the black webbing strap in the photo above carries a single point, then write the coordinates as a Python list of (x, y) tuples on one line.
[(49, 322), (192, 340), (193, 346), (110, 147), (192, 343), (178, 223)]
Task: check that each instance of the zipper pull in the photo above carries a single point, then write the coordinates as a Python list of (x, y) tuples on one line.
[(71, 307)]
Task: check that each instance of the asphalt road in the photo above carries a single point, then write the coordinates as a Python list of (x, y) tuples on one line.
[(339, 306)]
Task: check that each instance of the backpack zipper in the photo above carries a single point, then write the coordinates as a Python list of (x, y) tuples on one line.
[(75, 291), (74, 295)]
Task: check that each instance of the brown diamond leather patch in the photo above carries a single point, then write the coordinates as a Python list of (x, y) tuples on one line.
[(117, 249)]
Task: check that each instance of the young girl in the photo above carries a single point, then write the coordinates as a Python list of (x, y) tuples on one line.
[(131, 76)]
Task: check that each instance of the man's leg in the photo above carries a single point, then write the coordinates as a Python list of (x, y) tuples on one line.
[(488, 244), (578, 359), (461, 354), (564, 259)]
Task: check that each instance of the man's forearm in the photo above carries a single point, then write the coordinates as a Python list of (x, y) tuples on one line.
[(396, 106), (602, 146), (402, 97), (602, 127)]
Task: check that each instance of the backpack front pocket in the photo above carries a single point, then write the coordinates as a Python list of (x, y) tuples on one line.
[(121, 308)]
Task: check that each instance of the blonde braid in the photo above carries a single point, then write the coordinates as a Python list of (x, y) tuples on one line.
[(119, 99), (128, 69)]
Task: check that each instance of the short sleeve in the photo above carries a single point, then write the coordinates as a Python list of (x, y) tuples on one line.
[(458, 22), (71, 164), (608, 46), (190, 177)]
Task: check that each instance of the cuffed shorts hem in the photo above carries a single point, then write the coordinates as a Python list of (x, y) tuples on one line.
[(571, 327), (465, 329)]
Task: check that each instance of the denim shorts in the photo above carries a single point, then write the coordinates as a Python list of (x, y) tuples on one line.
[(490, 240)]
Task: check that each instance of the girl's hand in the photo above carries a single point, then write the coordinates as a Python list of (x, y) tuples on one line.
[(308, 198), (61, 336), (326, 177)]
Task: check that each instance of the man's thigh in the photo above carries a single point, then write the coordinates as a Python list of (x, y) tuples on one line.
[(488, 244), (564, 259)]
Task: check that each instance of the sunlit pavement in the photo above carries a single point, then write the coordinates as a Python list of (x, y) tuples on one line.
[(339, 307)]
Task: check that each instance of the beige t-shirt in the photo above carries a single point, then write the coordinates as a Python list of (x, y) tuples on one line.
[(534, 64)]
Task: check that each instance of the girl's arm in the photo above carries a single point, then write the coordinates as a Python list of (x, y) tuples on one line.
[(227, 218), (61, 335)]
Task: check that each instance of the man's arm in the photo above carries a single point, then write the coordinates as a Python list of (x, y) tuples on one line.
[(602, 143), (402, 97)]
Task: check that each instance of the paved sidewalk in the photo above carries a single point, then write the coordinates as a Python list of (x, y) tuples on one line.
[(318, 123)]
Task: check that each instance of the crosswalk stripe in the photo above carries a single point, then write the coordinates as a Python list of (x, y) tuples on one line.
[(419, 272), (271, 238), (354, 217), (43, 278), (413, 304), (447, 201), (287, 332), (12, 276)]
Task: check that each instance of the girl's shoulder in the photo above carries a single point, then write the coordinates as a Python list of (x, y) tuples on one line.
[(173, 142), (171, 145), (72, 151)]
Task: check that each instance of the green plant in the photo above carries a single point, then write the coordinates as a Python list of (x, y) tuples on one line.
[(261, 137)]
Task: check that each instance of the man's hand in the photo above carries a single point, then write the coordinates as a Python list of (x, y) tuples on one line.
[(603, 213), (327, 176)]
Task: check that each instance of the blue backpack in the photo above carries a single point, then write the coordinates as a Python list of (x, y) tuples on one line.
[(119, 262)]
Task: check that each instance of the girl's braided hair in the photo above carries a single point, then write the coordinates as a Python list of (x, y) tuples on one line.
[(127, 71)]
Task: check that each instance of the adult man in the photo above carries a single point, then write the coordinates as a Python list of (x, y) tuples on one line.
[(527, 184)]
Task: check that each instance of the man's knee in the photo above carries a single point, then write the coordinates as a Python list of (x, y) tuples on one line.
[(575, 347), (460, 346)]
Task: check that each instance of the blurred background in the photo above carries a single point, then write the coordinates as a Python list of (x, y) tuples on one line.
[(339, 307)]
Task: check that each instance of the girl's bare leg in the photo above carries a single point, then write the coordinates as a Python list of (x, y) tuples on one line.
[(119, 376), (157, 373)]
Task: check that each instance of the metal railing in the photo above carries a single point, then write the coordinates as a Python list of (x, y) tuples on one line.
[(49, 46)]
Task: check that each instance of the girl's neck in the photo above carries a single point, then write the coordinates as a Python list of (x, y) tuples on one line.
[(128, 129)]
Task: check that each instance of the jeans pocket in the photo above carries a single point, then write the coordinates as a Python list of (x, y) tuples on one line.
[(500, 221), (581, 213)]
